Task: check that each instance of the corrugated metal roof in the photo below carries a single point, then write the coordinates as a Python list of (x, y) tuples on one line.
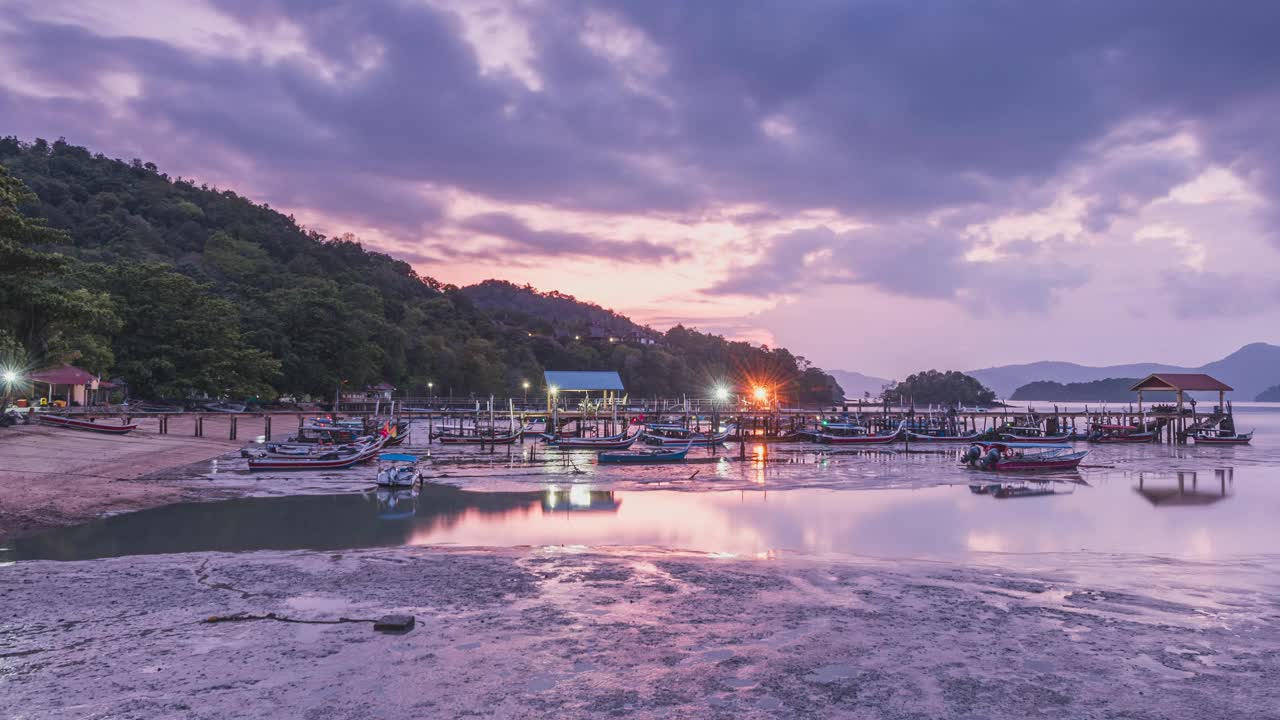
[(1187, 382), (581, 380)]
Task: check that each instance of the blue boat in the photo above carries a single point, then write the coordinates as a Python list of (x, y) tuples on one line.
[(656, 455)]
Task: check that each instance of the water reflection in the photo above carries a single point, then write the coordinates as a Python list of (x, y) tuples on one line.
[(1187, 491)]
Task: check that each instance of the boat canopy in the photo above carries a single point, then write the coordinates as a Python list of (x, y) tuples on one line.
[(398, 457)]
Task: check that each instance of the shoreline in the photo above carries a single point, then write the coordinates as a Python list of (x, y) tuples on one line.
[(577, 633), (55, 477)]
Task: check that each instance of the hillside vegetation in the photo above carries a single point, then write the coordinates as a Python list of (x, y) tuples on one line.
[(182, 289)]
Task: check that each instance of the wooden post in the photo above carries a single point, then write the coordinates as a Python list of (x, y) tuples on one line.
[(266, 427), (234, 426)]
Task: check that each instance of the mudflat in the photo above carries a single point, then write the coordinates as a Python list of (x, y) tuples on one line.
[(559, 632), (52, 476)]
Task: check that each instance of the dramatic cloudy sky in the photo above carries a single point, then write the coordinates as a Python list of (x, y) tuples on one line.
[(880, 186)]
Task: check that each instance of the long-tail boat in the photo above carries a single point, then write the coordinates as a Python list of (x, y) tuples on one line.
[(654, 455), (1222, 438), (1004, 457), (675, 436), (78, 424), (1121, 434), (485, 438), (621, 441), (365, 453), (926, 438), (863, 439)]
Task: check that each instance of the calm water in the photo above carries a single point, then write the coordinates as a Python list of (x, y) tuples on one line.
[(1195, 502)]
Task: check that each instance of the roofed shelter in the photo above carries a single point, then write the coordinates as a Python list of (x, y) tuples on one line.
[(1182, 383), (572, 381), (68, 383)]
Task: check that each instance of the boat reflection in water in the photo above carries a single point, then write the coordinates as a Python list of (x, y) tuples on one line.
[(1162, 495)]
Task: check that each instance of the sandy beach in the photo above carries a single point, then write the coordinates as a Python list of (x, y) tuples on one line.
[(54, 476), (554, 632)]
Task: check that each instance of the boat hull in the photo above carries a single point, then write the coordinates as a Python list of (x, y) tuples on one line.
[(1126, 439), (826, 439), (76, 424), (594, 443), (479, 439), (1241, 440), (644, 458), (917, 437)]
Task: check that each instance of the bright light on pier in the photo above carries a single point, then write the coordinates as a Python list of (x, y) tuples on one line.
[(721, 393), (760, 393)]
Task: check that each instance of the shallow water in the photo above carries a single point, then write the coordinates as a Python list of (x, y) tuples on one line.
[(1195, 502)]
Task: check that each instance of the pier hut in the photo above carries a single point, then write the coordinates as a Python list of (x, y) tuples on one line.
[(1181, 384), (561, 382)]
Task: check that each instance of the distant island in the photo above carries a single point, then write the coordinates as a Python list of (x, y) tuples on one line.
[(1271, 394), (1108, 390), (1250, 370)]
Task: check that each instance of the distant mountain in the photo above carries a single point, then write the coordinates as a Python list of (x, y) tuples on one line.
[(1271, 394), (855, 384), (548, 311), (1109, 390), (1250, 370)]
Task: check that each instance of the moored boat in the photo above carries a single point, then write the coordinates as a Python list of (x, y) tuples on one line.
[(926, 438), (398, 470), (655, 455), (342, 460), (863, 439), (90, 425), (485, 438), (1005, 457), (1221, 438), (676, 435), (621, 441)]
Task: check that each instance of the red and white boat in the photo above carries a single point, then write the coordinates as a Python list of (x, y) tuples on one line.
[(926, 438), (78, 424), (1003, 457), (867, 439)]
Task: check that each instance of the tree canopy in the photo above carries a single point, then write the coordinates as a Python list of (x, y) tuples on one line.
[(184, 290), (942, 388)]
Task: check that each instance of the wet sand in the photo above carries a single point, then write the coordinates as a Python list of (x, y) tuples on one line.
[(558, 632), (54, 476)]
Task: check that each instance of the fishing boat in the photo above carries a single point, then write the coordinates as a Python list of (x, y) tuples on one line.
[(398, 470), (343, 460), (1223, 438), (90, 425), (485, 438), (1004, 457), (1120, 434), (861, 439), (1033, 434), (673, 435), (926, 438), (621, 441), (654, 455)]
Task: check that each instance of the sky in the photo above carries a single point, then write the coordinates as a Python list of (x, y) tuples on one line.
[(878, 186)]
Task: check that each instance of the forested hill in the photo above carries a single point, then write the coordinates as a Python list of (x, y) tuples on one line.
[(550, 312), (182, 289)]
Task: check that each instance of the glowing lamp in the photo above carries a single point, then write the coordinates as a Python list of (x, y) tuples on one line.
[(722, 394), (10, 377), (553, 389), (760, 393)]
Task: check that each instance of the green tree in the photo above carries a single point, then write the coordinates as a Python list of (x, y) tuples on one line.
[(179, 340), (941, 388)]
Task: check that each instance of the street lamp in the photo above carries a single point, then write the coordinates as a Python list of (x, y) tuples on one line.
[(721, 393), (525, 384), (760, 394), (10, 377), (431, 390)]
